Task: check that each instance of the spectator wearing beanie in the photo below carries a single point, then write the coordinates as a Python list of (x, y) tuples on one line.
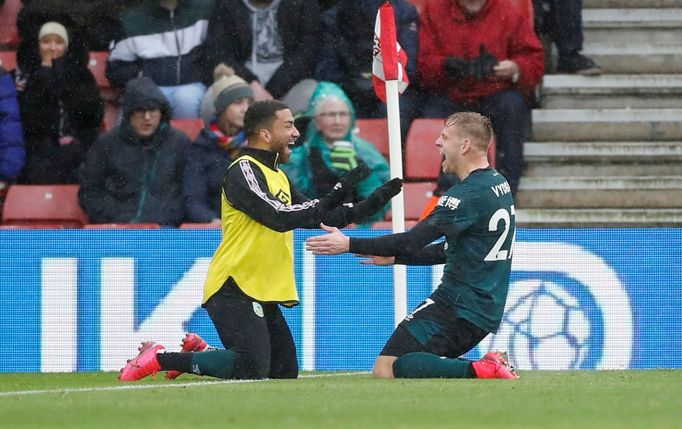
[(215, 149), (61, 106)]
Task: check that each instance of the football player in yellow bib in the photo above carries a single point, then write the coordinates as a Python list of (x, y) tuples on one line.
[(252, 271)]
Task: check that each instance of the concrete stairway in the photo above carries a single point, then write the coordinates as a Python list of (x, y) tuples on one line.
[(607, 150)]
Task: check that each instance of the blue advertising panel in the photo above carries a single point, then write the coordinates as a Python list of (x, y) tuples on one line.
[(82, 300)]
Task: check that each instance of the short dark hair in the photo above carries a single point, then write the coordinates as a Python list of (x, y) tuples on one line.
[(260, 115)]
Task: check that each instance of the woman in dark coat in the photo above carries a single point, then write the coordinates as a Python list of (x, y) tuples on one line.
[(61, 106)]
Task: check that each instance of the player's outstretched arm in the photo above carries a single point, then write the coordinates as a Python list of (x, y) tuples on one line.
[(333, 243), (376, 260)]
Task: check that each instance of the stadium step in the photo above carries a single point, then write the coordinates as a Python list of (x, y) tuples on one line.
[(612, 91), (598, 217), (607, 124), (617, 58), (602, 158), (600, 192), (607, 150), (644, 26), (644, 151), (601, 4)]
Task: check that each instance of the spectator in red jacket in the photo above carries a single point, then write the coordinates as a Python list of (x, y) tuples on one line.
[(482, 56)]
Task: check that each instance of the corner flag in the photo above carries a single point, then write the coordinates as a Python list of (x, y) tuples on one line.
[(390, 59)]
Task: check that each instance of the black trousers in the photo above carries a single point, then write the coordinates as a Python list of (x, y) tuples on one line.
[(562, 20), (509, 114), (256, 332)]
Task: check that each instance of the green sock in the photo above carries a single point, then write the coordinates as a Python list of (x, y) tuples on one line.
[(428, 365), (216, 363)]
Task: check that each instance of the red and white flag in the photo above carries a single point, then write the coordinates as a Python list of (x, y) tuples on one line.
[(390, 59)]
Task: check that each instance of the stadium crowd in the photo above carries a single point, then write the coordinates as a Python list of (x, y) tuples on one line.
[(209, 60)]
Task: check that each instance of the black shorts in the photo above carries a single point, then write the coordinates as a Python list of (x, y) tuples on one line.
[(433, 327), (256, 331)]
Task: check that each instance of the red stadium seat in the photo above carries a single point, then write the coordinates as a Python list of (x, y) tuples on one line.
[(374, 131), (34, 226), (122, 226), (55, 205), (9, 35), (98, 67), (191, 127), (8, 60), (200, 226), (111, 114), (417, 196), (422, 159)]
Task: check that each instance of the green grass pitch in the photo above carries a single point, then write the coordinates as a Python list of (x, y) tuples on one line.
[(540, 399)]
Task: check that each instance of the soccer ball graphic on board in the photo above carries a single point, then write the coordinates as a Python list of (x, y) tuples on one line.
[(566, 309), (544, 327)]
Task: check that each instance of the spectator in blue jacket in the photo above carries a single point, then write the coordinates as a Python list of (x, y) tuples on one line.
[(11, 134), (331, 149), (346, 57), (215, 148), (133, 174), (164, 40)]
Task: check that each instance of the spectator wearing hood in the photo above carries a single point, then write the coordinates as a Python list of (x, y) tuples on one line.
[(331, 149), (347, 51), (61, 106), (133, 174), (215, 148)]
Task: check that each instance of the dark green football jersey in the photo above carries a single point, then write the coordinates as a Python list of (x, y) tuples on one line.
[(477, 218)]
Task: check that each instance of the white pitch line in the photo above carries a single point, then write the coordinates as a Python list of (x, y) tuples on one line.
[(161, 386)]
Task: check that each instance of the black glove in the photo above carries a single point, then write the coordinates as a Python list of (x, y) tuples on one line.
[(457, 68), (379, 198), (344, 187), (324, 178), (484, 63)]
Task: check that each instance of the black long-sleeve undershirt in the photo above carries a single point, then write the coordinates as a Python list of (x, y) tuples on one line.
[(246, 188), (410, 248)]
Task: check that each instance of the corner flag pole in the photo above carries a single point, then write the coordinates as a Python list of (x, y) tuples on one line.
[(390, 79), (398, 202)]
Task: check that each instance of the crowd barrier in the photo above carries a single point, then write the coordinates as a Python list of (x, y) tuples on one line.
[(81, 300)]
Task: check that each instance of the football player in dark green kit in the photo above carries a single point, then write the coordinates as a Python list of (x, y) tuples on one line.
[(476, 217)]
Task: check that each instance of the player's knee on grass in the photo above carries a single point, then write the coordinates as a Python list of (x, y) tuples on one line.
[(289, 370), (247, 367), (383, 367)]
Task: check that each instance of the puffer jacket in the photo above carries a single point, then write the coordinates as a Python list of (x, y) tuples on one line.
[(128, 180), (11, 134)]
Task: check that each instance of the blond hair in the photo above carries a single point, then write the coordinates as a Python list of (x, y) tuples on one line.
[(473, 126)]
